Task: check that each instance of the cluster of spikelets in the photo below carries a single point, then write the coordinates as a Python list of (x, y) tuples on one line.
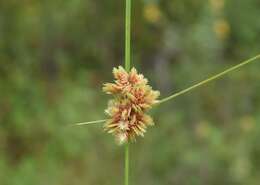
[(132, 97)]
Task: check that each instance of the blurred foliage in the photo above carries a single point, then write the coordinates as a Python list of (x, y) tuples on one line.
[(55, 55)]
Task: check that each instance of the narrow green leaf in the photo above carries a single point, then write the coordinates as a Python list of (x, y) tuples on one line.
[(90, 122), (215, 77)]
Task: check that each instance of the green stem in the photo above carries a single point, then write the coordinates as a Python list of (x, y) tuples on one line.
[(127, 164), (209, 79), (127, 67), (128, 35)]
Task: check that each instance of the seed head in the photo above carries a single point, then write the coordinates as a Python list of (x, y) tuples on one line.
[(132, 98)]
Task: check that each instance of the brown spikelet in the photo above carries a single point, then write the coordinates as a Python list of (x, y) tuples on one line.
[(127, 111)]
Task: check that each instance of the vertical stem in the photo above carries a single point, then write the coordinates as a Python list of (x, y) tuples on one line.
[(127, 164), (128, 35), (127, 67)]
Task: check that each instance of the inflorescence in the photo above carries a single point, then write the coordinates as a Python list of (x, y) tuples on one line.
[(132, 98)]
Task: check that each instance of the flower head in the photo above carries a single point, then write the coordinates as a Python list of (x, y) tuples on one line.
[(133, 97)]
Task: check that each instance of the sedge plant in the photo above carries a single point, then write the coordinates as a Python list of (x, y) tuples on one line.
[(132, 97)]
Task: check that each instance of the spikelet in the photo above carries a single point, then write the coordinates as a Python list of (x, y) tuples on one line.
[(133, 97)]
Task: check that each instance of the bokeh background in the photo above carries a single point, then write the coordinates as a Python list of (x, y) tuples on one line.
[(55, 55)]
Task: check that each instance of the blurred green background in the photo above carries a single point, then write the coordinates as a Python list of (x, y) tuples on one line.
[(55, 55)]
